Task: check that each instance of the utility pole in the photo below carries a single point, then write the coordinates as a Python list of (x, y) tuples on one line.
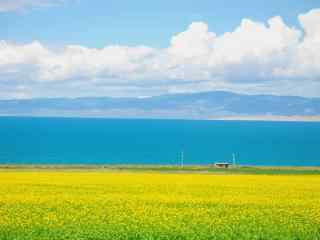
[(182, 158), (234, 159)]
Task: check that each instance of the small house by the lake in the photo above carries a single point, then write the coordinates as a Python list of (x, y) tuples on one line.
[(222, 164)]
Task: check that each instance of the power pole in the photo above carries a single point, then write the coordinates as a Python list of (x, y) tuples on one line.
[(234, 159), (182, 158)]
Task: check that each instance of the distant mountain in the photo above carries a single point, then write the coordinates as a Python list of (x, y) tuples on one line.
[(203, 105)]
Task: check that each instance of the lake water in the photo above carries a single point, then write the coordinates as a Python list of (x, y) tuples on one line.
[(114, 141)]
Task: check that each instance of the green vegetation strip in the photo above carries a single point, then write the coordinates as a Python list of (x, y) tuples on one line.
[(205, 169)]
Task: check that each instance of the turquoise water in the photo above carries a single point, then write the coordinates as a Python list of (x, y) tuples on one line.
[(78, 140)]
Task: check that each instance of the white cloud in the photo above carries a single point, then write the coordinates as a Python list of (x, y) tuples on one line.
[(14, 5), (254, 58), (305, 61), (193, 44)]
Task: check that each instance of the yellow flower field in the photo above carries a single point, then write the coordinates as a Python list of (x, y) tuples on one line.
[(124, 205)]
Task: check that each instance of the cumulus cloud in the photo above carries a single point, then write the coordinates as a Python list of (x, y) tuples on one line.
[(256, 57), (13, 5)]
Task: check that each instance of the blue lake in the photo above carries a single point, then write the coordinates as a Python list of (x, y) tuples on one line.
[(114, 141)]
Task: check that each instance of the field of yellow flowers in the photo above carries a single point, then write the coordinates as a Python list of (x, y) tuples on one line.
[(126, 205)]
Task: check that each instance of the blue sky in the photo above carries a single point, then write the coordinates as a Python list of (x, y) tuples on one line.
[(152, 23), (73, 48)]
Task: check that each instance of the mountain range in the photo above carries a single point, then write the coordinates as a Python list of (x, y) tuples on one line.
[(204, 105)]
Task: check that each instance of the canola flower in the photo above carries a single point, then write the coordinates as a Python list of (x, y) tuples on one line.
[(124, 205)]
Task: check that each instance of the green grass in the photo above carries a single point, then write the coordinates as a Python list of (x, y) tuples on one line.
[(205, 169)]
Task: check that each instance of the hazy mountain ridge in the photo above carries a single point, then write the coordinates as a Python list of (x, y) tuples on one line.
[(196, 105)]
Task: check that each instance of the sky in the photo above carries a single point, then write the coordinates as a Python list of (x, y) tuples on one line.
[(76, 48)]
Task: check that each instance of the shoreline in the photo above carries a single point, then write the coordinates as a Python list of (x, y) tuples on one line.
[(270, 118), (198, 169), (259, 118)]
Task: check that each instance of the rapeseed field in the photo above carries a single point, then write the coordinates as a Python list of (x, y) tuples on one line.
[(123, 205)]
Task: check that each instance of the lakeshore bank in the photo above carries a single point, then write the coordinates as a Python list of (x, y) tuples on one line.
[(201, 169), (270, 118)]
